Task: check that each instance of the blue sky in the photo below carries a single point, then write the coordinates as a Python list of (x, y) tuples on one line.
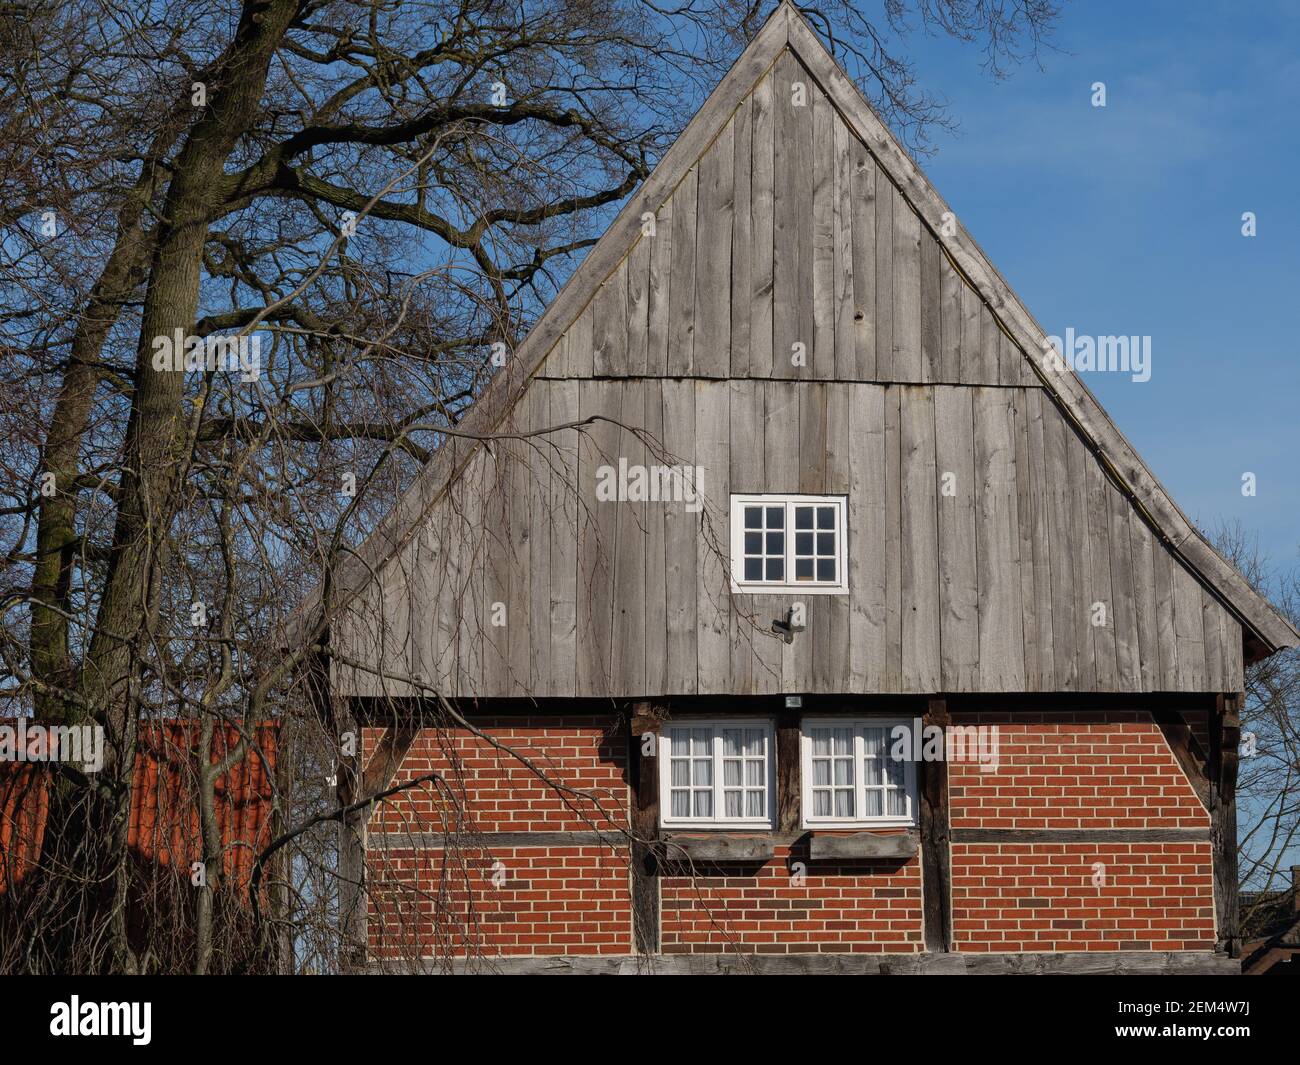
[(1127, 220)]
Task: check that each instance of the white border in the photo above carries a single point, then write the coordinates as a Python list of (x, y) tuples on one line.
[(740, 500)]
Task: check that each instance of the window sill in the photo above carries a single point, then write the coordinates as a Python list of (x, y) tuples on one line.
[(825, 846), (719, 847)]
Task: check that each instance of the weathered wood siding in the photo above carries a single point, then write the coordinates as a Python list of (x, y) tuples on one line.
[(786, 232), (1034, 574), (790, 325)]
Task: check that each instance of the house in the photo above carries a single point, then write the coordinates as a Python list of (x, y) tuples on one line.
[(785, 605), (163, 840)]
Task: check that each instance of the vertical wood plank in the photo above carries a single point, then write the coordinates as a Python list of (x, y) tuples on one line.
[(824, 263), (1025, 529), (563, 533), (886, 197), (907, 291), (638, 306), (541, 458), (1141, 545), (1040, 537), (1103, 636), (656, 602), (1166, 629), (831, 639), (597, 536), (762, 208), (1127, 651), (1066, 618), (846, 359), (742, 239), (713, 257), (748, 624), (659, 323), (893, 541), (931, 357), (1078, 549), (610, 325), (921, 659), (712, 441), (866, 537), (1002, 650), (681, 288), (864, 261), (681, 543), (958, 588), (628, 647)]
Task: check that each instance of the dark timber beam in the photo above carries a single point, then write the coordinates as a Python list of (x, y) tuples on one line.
[(789, 779), (1225, 735), (936, 878), (643, 775)]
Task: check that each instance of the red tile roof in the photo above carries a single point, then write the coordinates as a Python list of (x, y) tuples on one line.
[(164, 826)]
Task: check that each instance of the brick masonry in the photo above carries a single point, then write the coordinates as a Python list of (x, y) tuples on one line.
[(1100, 771)]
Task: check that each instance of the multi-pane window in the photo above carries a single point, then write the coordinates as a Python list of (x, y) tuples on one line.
[(715, 773), (789, 543), (850, 774)]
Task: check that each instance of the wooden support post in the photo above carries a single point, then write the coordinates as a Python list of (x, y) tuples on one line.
[(789, 779), (1225, 735), (935, 862), (643, 774)]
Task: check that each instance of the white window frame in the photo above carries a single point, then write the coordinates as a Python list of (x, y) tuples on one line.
[(859, 819), (840, 586), (718, 820)]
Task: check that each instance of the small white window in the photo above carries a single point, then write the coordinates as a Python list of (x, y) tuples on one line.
[(716, 774), (784, 543), (851, 779)]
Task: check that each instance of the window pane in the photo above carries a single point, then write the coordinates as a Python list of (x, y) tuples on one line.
[(702, 772), (825, 543), (825, 517), (821, 771), (776, 543), (821, 804), (821, 742), (803, 517), (843, 741), (701, 741), (776, 517), (753, 804), (731, 742), (803, 569), (731, 803), (826, 569), (731, 773), (843, 771), (803, 543), (775, 569), (873, 804), (753, 517), (897, 804), (703, 803), (844, 803), (681, 772), (681, 803), (753, 543), (753, 569), (754, 742), (894, 772)]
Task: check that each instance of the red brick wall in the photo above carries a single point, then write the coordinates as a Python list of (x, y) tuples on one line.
[(499, 793), (1079, 771), (517, 900), (835, 908)]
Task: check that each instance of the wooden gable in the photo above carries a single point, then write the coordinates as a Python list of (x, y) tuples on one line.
[(786, 216)]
